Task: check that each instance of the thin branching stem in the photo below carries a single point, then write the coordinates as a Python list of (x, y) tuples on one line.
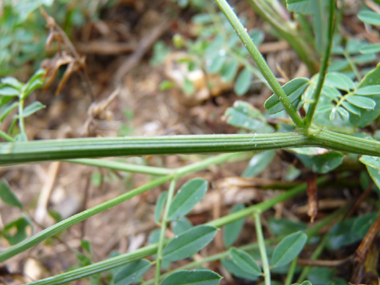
[(260, 62), (291, 271), (121, 166), (6, 137), (52, 230), (21, 122), (324, 66), (161, 242), (263, 252), (312, 231), (152, 249)]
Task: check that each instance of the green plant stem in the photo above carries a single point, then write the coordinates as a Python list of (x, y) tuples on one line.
[(21, 123), (291, 271), (52, 230), (306, 29), (163, 231), (184, 170), (152, 249), (101, 266), (263, 252), (243, 61), (353, 66), (211, 258), (260, 62), (36, 151), (121, 166), (317, 252), (346, 143), (296, 42), (6, 137), (324, 66)]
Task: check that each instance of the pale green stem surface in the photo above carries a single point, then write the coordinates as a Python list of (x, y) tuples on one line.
[(121, 166), (37, 151), (291, 271), (263, 252), (163, 231), (21, 122), (353, 66), (6, 137), (45, 150)]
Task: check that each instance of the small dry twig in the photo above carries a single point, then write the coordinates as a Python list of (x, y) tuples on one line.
[(312, 197), (69, 56)]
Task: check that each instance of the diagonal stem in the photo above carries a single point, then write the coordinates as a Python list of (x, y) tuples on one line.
[(324, 66), (163, 230), (261, 243), (260, 62)]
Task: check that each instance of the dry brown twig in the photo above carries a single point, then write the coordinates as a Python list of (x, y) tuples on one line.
[(312, 195), (66, 55), (97, 111)]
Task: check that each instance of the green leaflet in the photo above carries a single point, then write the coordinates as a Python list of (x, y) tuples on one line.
[(194, 277), (293, 89), (231, 231), (187, 197), (131, 272), (245, 262), (189, 242), (8, 196), (288, 249)]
